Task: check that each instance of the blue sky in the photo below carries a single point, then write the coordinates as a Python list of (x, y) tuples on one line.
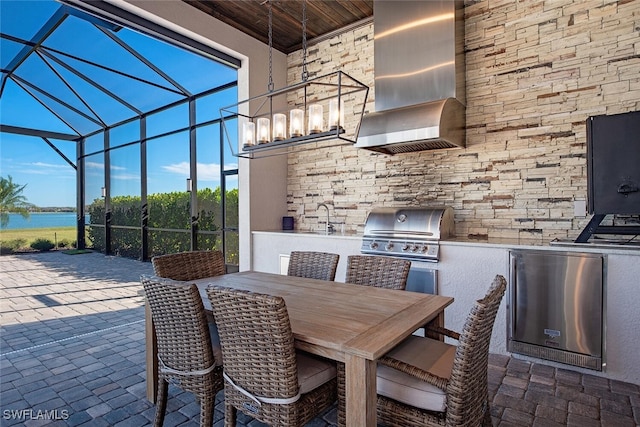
[(50, 180)]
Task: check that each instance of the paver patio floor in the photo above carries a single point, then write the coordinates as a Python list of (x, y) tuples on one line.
[(72, 353)]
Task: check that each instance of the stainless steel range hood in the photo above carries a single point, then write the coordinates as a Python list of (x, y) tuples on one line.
[(419, 77)]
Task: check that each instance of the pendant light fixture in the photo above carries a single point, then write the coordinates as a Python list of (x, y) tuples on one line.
[(325, 108)]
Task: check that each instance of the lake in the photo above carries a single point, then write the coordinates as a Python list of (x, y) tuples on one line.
[(41, 220)]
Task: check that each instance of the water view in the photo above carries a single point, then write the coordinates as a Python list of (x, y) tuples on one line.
[(41, 220)]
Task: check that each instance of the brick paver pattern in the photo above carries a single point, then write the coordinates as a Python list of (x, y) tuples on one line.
[(72, 353)]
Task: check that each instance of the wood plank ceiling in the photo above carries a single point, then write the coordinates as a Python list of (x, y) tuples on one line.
[(324, 17)]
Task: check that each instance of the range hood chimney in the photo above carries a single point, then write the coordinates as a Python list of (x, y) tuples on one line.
[(419, 77)]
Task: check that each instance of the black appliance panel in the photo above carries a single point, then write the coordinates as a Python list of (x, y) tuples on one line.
[(613, 163)]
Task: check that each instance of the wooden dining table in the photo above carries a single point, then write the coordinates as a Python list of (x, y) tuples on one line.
[(348, 323)]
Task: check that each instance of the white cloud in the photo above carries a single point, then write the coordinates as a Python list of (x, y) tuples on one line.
[(209, 172), (94, 165), (48, 165), (100, 166), (41, 168), (126, 176), (181, 169), (206, 171)]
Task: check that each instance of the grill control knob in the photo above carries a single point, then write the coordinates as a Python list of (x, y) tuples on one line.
[(389, 246), (405, 246), (414, 248), (373, 245)]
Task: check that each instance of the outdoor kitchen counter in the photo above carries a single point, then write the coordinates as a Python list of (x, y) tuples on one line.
[(604, 246), (347, 234), (467, 267), (271, 249)]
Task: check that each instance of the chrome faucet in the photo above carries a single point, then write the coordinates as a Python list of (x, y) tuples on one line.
[(329, 227)]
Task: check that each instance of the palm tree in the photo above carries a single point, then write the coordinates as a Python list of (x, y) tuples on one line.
[(12, 200)]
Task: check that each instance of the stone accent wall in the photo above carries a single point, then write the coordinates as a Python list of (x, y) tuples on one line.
[(535, 70)]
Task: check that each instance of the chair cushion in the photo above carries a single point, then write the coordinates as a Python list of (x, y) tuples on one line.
[(313, 371), (430, 355)]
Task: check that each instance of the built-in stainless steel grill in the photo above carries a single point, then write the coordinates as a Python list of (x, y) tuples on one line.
[(412, 233)]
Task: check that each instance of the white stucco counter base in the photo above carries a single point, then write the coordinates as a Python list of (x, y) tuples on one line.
[(268, 247), (466, 269)]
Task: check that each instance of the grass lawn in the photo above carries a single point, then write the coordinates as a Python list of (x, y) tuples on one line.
[(26, 236)]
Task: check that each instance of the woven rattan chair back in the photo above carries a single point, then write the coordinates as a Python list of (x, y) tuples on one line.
[(185, 356), (260, 358), (378, 271), (467, 396), (313, 265), (189, 265), (467, 400)]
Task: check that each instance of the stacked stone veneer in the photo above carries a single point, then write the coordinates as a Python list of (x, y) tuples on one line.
[(535, 70)]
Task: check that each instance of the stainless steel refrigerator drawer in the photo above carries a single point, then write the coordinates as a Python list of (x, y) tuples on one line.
[(556, 302)]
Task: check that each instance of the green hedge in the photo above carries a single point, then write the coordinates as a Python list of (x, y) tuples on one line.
[(166, 211)]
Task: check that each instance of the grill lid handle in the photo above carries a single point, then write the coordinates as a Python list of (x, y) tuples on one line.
[(399, 232)]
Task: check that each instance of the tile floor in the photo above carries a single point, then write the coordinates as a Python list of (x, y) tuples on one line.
[(72, 353)]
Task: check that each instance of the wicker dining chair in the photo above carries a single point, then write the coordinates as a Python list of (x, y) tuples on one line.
[(193, 265), (190, 265), (185, 353), (313, 265), (378, 271), (264, 376), (427, 382)]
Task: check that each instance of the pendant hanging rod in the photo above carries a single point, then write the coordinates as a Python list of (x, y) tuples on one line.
[(270, 86), (305, 73)]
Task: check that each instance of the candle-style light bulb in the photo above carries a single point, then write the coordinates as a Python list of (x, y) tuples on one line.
[(296, 123), (336, 114), (279, 127), (248, 134), (263, 130), (315, 118)]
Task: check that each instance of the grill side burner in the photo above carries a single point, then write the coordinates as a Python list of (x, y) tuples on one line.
[(412, 233)]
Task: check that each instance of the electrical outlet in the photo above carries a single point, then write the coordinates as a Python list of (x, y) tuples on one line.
[(580, 208)]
